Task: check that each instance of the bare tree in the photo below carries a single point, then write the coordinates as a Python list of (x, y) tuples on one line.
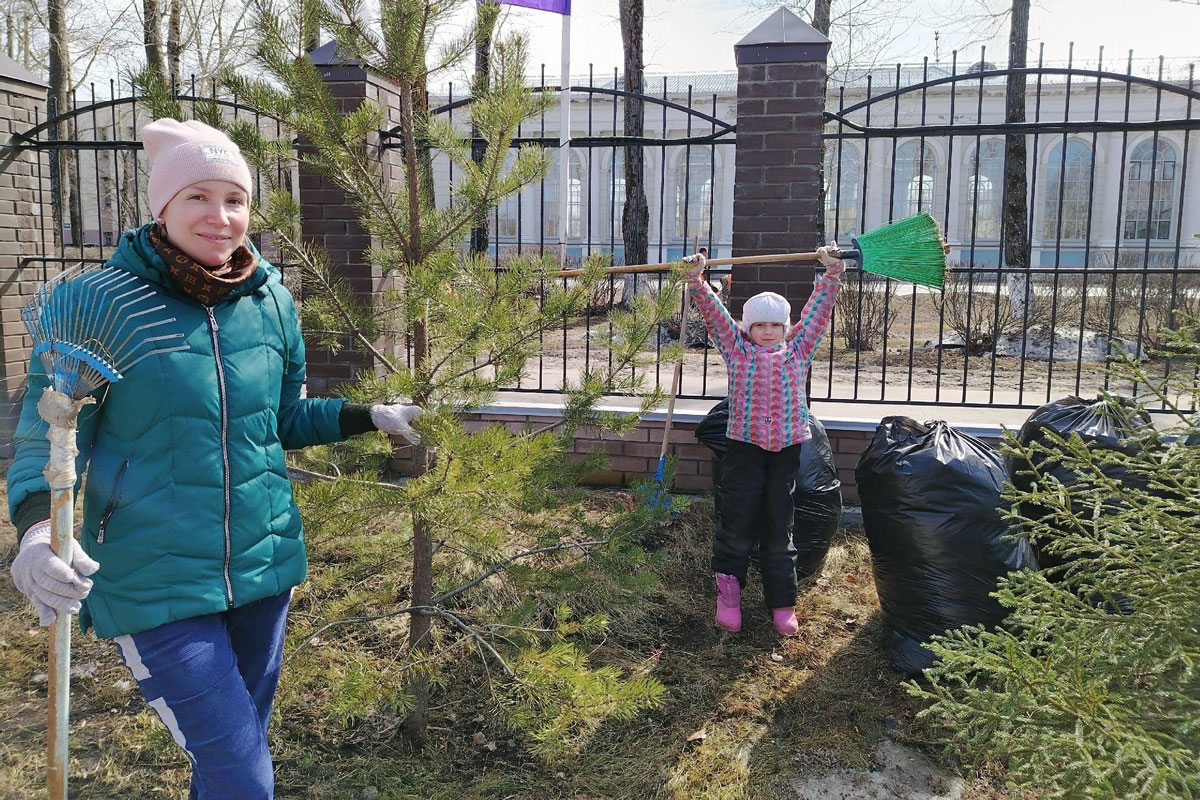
[(872, 33), (215, 35), (174, 46), (62, 165), (635, 217), (93, 33), (1016, 211), (863, 32), (822, 9), (152, 36)]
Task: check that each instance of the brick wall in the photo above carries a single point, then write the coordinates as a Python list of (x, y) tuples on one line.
[(634, 456), (328, 219), (23, 184), (776, 202)]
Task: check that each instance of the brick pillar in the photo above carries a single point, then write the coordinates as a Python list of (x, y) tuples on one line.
[(24, 184), (780, 100), (328, 219)]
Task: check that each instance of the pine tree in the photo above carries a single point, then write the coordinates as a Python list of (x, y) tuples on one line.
[(483, 502), (1091, 688)]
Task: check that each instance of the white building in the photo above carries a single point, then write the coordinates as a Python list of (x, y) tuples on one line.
[(1108, 162)]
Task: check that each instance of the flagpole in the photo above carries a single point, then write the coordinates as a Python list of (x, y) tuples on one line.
[(564, 142)]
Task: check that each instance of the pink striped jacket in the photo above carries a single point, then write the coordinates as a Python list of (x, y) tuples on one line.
[(767, 404)]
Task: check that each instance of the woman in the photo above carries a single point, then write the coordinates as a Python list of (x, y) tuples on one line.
[(190, 534)]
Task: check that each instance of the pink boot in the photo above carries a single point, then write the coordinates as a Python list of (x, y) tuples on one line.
[(729, 602), (786, 623)]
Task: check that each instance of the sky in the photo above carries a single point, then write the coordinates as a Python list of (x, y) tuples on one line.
[(699, 35)]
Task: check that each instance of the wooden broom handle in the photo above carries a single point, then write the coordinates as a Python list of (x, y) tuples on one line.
[(677, 377), (712, 262)]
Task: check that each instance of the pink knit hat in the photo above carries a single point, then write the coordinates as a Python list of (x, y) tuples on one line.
[(183, 153)]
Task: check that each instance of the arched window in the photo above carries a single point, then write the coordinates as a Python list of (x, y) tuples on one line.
[(574, 197), (697, 174), (843, 179), (1150, 191), (612, 198), (985, 185), (916, 179), (1068, 187), (509, 210)]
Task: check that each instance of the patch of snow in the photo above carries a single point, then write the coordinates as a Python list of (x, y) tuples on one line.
[(1066, 344), (897, 773)]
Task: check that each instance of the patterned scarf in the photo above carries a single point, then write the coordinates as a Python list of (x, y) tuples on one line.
[(205, 285)]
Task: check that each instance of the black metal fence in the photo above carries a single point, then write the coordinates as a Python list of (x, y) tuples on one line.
[(688, 152), (1110, 265), (92, 172), (1111, 214), (1110, 218)]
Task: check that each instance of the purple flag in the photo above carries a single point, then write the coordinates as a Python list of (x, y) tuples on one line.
[(557, 6)]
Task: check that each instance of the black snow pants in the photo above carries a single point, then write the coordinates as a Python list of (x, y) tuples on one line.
[(757, 491)]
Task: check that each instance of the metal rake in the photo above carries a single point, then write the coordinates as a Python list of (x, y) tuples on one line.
[(90, 325)]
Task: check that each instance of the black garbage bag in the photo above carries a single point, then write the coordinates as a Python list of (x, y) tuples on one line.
[(1102, 424), (931, 508), (818, 501), (818, 497), (711, 430)]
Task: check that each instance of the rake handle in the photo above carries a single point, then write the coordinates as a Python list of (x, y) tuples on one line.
[(58, 693), (712, 262), (61, 413)]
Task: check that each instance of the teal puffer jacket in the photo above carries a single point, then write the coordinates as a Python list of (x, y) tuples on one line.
[(188, 507)]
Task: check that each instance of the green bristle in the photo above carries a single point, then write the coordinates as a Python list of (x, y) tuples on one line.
[(908, 249)]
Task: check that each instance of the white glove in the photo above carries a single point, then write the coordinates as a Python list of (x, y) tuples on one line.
[(834, 267), (697, 261), (46, 580), (396, 418)]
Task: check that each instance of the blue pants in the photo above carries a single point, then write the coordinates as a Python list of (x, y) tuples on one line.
[(212, 680)]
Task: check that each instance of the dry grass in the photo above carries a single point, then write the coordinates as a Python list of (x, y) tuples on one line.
[(770, 709)]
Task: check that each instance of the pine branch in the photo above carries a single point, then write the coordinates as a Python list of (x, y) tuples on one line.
[(442, 598), (312, 269)]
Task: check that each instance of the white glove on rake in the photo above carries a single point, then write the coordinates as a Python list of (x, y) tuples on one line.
[(49, 583), (397, 419)]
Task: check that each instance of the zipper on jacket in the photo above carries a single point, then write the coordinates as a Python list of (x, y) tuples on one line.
[(216, 341), (113, 501)]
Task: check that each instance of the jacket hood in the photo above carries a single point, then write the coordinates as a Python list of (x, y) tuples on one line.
[(137, 255)]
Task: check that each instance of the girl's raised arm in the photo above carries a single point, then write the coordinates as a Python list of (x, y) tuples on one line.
[(716, 317)]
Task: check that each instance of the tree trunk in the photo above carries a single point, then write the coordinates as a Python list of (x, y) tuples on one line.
[(635, 218), (174, 47), (26, 58), (56, 25), (1016, 211), (70, 191), (152, 36), (420, 625), (417, 172), (485, 26), (821, 14)]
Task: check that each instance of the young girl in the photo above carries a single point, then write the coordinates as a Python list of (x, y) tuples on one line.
[(768, 361)]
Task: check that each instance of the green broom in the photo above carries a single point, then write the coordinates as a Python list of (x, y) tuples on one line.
[(910, 250)]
